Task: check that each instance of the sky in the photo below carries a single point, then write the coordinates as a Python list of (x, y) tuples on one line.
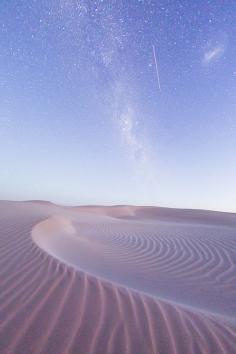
[(119, 102)]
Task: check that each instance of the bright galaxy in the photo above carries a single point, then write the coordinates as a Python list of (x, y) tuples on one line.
[(119, 102)]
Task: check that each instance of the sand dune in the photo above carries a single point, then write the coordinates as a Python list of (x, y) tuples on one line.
[(116, 280)]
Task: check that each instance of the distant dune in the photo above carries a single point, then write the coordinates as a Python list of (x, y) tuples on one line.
[(121, 279)]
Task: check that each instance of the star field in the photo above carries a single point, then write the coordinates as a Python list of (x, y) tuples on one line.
[(83, 118)]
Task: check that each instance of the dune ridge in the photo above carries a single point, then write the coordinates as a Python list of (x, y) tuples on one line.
[(48, 306)]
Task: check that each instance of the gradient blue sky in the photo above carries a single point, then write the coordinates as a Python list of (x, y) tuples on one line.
[(83, 120)]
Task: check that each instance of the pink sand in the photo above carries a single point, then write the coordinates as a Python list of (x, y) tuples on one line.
[(119, 280)]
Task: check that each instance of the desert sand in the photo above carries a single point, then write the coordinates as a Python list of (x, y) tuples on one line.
[(122, 279)]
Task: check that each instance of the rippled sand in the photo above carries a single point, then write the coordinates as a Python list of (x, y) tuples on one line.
[(116, 280)]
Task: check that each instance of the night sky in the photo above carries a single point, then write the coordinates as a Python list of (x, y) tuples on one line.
[(88, 117)]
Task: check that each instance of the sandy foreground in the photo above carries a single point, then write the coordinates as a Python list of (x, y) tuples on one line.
[(104, 280)]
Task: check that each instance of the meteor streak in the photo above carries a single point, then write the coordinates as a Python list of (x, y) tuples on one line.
[(155, 60)]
